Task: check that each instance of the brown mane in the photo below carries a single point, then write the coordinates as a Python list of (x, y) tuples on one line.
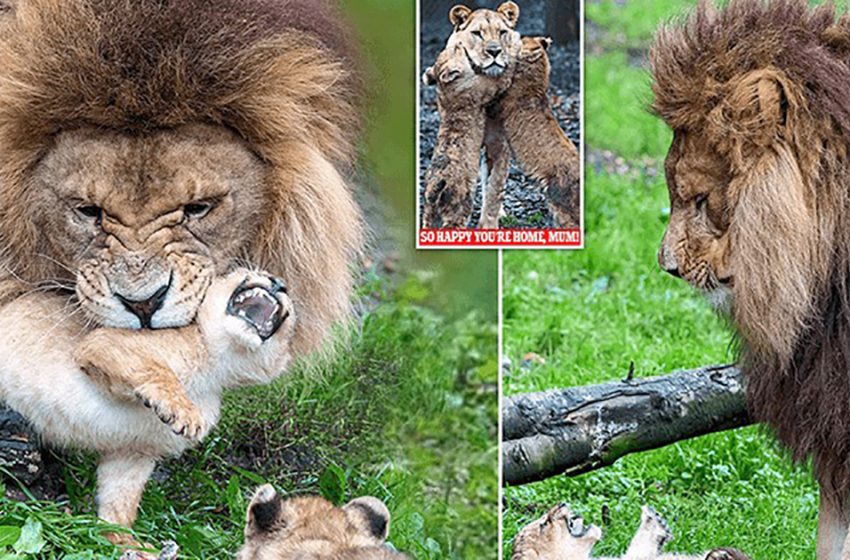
[(281, 73), (790, 228)]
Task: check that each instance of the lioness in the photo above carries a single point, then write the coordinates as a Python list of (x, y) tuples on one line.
[(311, 527), (562, 535), (243, 333), (475, 67), (539, 144)]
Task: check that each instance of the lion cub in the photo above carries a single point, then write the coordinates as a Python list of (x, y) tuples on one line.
[(539, 144), (137, 396), (311, 527), (466, 86), (562, 535)]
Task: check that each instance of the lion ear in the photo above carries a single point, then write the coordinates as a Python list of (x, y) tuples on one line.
[(370, 515), (510, 11), (545, 42), (428, 77), (264, 510), (762, 106), (448, 76), (458, 15)]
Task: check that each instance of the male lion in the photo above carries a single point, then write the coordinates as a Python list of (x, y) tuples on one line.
[(475, 67), (539, 144), (147, 148), (311, 527), (561, 535), (757, 96)]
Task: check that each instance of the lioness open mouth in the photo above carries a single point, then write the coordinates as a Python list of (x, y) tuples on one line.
[(257, 305)]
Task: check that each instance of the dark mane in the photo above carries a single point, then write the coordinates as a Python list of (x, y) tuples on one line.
[(693, 60), (803, 393)]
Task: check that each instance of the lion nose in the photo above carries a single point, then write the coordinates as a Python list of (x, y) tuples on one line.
[(494, 49), (674, 272), (667, 260), (145, 310)]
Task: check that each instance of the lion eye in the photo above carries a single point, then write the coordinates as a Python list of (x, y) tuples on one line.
[(503, 32), (89, 212), (701, 201), (198, 209), (478, 34)]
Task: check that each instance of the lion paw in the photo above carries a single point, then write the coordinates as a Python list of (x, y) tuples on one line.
[(652, 522), (179, 413)]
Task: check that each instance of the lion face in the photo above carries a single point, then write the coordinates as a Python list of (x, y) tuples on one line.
[(696, 244), (311, 526), (487, 38), (145, 221), (558, 535)]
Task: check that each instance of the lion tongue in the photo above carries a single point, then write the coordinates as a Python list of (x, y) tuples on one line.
[(259, 308)]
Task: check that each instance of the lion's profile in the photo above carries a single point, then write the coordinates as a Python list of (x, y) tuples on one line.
[(562, 535), (758, 179), (148, 146), (559, 534), (311, 527)]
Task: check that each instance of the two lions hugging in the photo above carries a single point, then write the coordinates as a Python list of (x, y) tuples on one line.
[(175, 220), (492, 92)]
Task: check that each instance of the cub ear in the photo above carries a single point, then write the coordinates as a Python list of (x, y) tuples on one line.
[(428, 77), (264, 510), (458, 15), (369, 515), (510, 11), (545, 42), (449, 75)]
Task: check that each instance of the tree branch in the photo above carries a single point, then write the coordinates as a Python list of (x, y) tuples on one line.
[(579, 429)]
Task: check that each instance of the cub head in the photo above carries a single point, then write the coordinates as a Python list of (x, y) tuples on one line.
[(310, 525), (533, 64), (174, 142), (756, 163), (557, 535), (487, 38)]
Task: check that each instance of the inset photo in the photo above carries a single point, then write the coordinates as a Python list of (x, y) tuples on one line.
[(500, 124)]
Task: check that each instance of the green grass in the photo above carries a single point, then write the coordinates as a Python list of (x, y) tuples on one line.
[(590, 314), (617, 102), (404, 410), (632, 24)]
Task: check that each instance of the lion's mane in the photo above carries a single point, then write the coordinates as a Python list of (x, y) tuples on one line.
[(766, 83), (280, 73)]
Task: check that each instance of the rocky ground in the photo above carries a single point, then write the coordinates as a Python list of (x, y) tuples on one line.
[(525, 206)]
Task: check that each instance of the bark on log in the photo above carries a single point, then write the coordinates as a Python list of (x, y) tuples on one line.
[(20, 454), (579, 429)]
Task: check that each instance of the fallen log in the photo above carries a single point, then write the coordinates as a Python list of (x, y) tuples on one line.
[(579, 429)]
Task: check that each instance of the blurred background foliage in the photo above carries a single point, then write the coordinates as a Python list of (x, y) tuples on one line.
[(387, 29)]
